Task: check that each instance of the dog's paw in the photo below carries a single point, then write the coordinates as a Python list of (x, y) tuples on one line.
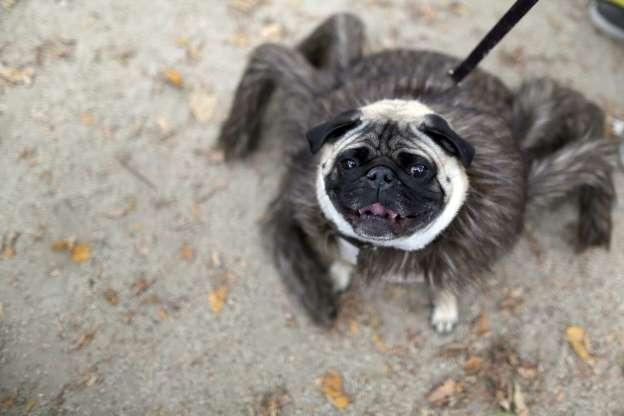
[(444, 315), (340, 273)]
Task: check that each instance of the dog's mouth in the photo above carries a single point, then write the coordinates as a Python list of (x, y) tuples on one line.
[(379, 211)]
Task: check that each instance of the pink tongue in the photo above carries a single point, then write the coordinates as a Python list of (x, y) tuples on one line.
[(377, 209)]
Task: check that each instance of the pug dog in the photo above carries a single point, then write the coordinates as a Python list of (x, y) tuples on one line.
[(393, 171)]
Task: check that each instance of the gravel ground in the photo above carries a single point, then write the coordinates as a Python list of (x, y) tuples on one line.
[(132, 275)]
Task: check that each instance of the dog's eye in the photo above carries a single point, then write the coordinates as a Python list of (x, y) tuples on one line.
[(418, 169), (349, 163)]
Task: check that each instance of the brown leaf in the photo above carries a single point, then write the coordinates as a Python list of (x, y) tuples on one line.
[(162, 313), (186, 252), (173, 77), (442, 393), (272, 402), (576, 337), (482, 325), (217, 298), (61, 245), (473, 364), (80, 252), (331, 386), (111, 296), (202, 104), (84, 340), (9, 400), (140, 286)]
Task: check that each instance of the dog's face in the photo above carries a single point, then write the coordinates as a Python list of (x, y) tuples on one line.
[(391, 173)]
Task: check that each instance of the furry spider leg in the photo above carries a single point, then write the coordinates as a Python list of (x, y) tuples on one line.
[(561, 133), (332, 47)]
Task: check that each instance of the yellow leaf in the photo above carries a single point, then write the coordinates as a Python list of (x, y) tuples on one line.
[(239, 39), (575, 335), (173, 77), (87, 119), (379, 344), (216, 298), (331, 386), (80, 252)]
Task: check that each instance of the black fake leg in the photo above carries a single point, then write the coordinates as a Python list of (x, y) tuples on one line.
[(336, 44), (561, 132), (269, 66), (300, 265)]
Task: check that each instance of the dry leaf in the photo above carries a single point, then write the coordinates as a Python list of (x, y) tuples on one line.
[(272, 402), (379, 344), (16, 75), (84, 340), (473, 364), (441, 394), (481, 325), (173, 77), (7, 4), (519, 405), (354, 328), (331, 386), (215, 257), (186, 252), (87, 119), (202, 104), (217, 297), (80, 252), (272, 32), (30, 405), (244, 6), (527, 371), (239, 39), (140, 286), (162, 313), (1, 312), (575, 335), (9, 401), (111, 296), (61, 245)]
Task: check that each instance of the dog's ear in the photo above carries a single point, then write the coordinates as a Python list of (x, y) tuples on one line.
[(330, 130), (439, 130)]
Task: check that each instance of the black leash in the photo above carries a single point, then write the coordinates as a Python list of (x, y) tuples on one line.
[(504, 25)]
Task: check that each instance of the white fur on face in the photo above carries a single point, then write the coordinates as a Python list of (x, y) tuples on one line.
[(408, 111), (451, 174)]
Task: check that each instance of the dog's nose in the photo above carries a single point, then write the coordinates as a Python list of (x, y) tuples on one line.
[(381, 176)]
